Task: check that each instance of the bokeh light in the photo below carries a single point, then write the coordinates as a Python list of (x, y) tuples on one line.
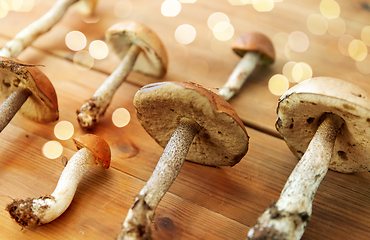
[(238, 2), (121, 117), (83, 60), (223, 31), (64, 130), (215, 18), (23, 5), (357, 50), (288, 70), (4, 9), (336, 27), (187, 1), (198, 68), (365, 35), (298, 41), (185, 34), (278, 84), (301, 71), (98, 49), (329, 9), (52, 149), (263, 5), (317, 24), (123, 8), (75, 40), (170, 8)]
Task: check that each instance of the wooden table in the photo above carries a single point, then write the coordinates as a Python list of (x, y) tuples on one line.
[(203, 202)]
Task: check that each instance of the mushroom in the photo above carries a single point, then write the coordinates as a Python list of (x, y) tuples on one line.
[(27, 90), (141, 50), (42, 25), (254, 48), (191, 123), (37, 211), (325, 123)]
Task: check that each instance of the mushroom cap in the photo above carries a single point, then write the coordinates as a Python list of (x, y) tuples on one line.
[(222, 139), (256, 42), (152, 60), (97, 145), (42, 104), (302, 108), (86, 7)]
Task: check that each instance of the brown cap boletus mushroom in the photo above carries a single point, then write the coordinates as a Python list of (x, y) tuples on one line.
[(141, 50), (191, 123), (26, 90), (325, 123), (253, 48), (92, 150)]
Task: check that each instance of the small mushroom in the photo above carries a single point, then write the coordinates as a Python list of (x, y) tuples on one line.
[(254, 48), (326, 124), (141, 50), (92, 150), (191, 123), (26, 90), (42, 25)]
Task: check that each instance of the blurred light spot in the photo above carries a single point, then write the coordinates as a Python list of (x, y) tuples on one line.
[(197, 68), (4, 9), (221, 47), (63, 130), (329, 9), (75, 40), (98, 49), (121, 117), (238, 2), (365, 35), (188, 1), (22, 5), (336, 27), (185, 34), (332, 52), (343, 44), (298, 41), (363, 66), (83, 60), (263, 5), (317, 24), (223, 31), (52, 149), (216, 18), (93, 18), (357, 50), (287, 50), (288, 70), (123, 8), (170, 8), (278, 84), (301, 71)]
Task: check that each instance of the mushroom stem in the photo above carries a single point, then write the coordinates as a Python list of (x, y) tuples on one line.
[(139, 217), (92, 110), (288, 218), (239, 75), (42, 210), (25, 37), (12, 104)]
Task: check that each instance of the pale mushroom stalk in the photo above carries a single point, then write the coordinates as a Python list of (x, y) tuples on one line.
[(11, 105), (165, 173), (288, 218), (91, 111), (42, 25), (239, 75)]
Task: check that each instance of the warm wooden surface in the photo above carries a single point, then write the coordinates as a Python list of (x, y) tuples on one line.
[(204, 202)]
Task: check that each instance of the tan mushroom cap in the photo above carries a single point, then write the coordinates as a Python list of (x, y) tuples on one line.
[(222, 139), (153, 58), (255, 42), (97, 145), (42, 105), (302, 108)]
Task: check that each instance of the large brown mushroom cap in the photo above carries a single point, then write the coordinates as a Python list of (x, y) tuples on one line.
[(222, 139), (255, 42), (152, 60), (302, 108), (97, 145), (42, 105)]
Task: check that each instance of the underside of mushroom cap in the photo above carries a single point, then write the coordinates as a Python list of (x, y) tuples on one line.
[(42, 105), (222, 139), (303, 107), (153, 58)]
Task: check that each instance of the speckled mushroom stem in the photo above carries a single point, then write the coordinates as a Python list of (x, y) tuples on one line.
[(11, 105), (239, 75), (42, 210), (25, 37), (288, 218), (139, 217), (91, 111)]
